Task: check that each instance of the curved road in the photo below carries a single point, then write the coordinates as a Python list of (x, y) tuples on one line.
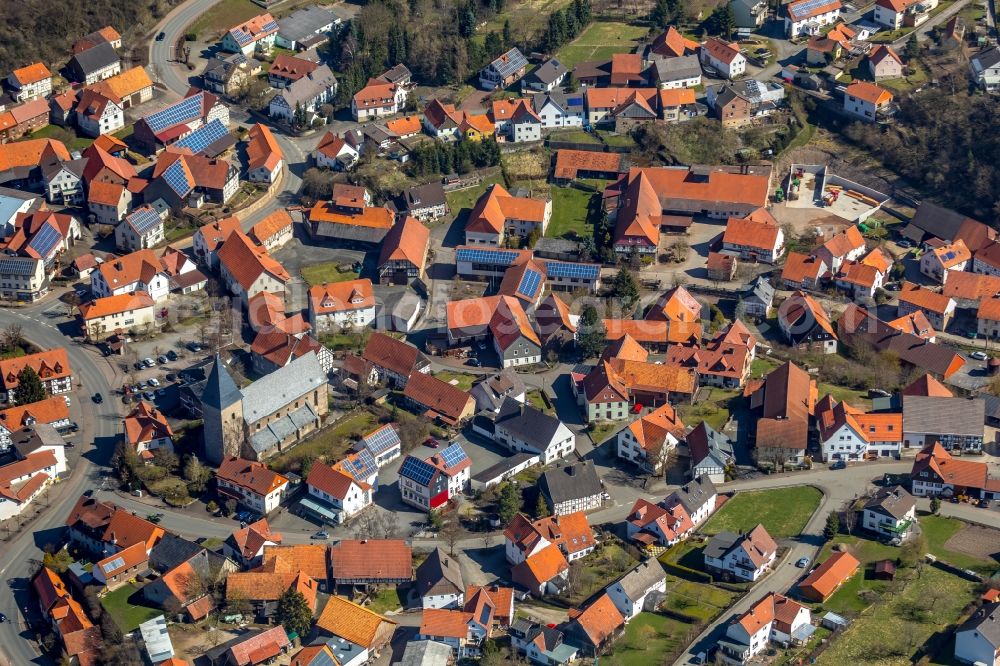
[(99, 429)]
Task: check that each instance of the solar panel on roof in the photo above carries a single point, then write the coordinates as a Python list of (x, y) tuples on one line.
[(417, 470), (529, 283), (509, 63), (453, 455), (143, 219), (183, 111), (494, 257), (566, 269), (116, 563), (382, 440), (204, 136), (177, 179), (807, 7), (16, 267), (45, 240)]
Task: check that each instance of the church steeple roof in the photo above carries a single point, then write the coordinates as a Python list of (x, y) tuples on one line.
[(220, 389)]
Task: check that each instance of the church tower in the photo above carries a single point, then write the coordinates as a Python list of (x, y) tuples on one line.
[(222, 412)]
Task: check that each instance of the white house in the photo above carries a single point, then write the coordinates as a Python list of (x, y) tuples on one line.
[(255, 35), (98, 114), (847, 433), (866, 100), (137, 271), (774, 618), (64, 182), (27, 83), (337, 305), (697, 497), (977, 640), (891, 13), (757, 237), (307, 94), (523, 428), (439, 581), (378, 99), (333, 152), (985, 69), (556, 109), (630, 593), (724, 57), (251, 484), (745, 557), (936, 263), (649, 441), (335, 496), (142, 228), (807, 17), (891, 513)]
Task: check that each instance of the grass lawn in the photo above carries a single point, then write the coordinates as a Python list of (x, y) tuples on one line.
[(699, 600), (783, 511), (853, 397), (72, 141), (570, 213), (901, 622), (714, 411), (467, 198), (330, 444), (457, 379), (127, 616), (342, 341), (907, 83), (535, 399), (222, 16), (647, 638), (761, 366), (596, 570), (575, 136), (600, 41), (386, 600), (618, 140), (605, 429), (326, 272), (938, 529)]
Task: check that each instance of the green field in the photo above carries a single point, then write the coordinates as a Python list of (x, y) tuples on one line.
[(221, 17), (127, 616), (326, 272), (467, 198), (600, 41), (457, 379), (647, 638), (330, 444), (784, 512), (938, 529), (897, 625), (570, 213), (386, 600)]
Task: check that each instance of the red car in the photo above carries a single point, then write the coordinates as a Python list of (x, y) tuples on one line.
[(637, 408), (431, 442)]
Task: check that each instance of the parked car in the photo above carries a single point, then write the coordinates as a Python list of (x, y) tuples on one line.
[(127, 399), (194, 346), (637, 408), (840, 464), (154, 382), (171, 377), (148, 395), (322, 534), (802, 563), (141, 386), (160, 37), (971, 335), (98, 398), (148, 362), (172, 355), (474, 362), (138, 365), (161, 359), (978, 355), (431, 442)]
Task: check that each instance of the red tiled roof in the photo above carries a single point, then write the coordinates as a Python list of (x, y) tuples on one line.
[(263, 151), (438, 396), (406, 241), (246, 262), (253, 476), (49, 365), (49, 410), (344, 296), (332, 481), (600, 620), (381, 559), (869, 92), (830, 575)]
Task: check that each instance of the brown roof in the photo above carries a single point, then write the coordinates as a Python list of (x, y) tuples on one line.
[(569, 162), (923, 298), (263, 151), (251, 539), (269, 586), (926, 385), (290, 67), (801, 305), (309, 558), (381, 559), (445, 623), (259, 648), (438, 396), (830, 575), (253, 476), (394, 355), (721, 50), (343, 296), (749, 233)]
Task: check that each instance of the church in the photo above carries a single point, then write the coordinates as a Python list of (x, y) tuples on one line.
[(267, 417)]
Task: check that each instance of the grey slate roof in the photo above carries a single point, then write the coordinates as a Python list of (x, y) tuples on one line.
[(547, 73), (282, 429), (305, 23), (505, 464), (706, 443), (95, 59), (988, 58), (641, 578), (272, 392), (439, 574), (986, 621), (220, 390), (694, 494), (943, 416), (75, 167), (565, 101), (569, 482), (720, 544), (309, 87), (759, 290), (895, 502), (676, 69), (529, 424), (425, 653), (491, 391)]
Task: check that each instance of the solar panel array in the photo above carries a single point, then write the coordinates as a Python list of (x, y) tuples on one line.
[(806, 8), (204, 136), (495, 257), (382, 440), (183, 111), (45, 240), (116, 563), (453, 455), (417, 470), (143, 219), (530, 282), (176, 178), (362, 465), (16, 267), (509, 63), (243, 37), (566, 269)]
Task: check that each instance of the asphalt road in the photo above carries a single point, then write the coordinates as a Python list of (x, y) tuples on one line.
[(100, 426)]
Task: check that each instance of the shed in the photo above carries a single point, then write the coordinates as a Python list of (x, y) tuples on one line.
[(832, 621), (885, 570)]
